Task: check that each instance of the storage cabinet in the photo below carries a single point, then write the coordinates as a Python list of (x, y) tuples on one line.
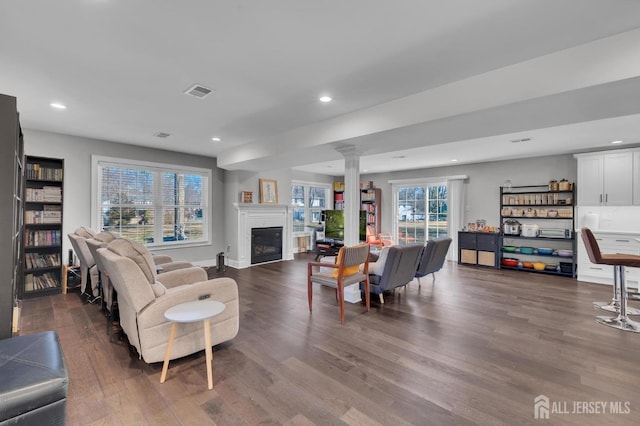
[(338, 195), (11, 181), (548, 239), (370, 201), (478, 248), (42, 226), (606, 179)]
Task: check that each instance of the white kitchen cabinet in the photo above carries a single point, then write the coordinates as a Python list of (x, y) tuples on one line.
[(609, 243), (606, 179), (590, 180)]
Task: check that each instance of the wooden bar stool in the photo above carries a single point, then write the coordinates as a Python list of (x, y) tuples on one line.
[(620, 296)]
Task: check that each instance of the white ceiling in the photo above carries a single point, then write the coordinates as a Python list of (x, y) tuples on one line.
[(415, 83)]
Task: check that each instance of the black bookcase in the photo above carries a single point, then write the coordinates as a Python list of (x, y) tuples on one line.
[(43, 200)]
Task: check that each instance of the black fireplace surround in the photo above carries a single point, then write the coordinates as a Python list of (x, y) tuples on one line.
[(266, 244)]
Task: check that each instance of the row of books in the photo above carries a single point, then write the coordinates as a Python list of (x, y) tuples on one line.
[(42, 238), (37, 260), (39, 282), (37, 172), (50, 214), (47, 194), (368, 207), (368, 196)]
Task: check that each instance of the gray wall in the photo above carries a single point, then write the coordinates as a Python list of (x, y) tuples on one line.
[(482, 188), (77, 152)]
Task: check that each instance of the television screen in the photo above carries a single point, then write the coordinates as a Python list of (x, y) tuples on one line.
[(334, 224)]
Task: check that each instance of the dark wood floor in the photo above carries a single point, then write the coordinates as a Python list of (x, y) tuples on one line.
[(475, 348)]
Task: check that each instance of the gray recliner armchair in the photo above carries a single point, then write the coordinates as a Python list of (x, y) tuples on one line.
[(433, 257), (400, 265)]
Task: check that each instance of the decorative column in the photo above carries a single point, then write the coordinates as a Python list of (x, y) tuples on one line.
[(351, 194), (351, 209)]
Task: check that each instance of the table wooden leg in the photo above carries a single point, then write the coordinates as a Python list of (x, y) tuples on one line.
[(208, 352), (65, 273), (165, 366)]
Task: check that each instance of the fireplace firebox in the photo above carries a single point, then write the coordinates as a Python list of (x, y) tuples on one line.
[(266, 244)]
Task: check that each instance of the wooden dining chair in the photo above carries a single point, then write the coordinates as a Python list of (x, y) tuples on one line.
[(346, 270)]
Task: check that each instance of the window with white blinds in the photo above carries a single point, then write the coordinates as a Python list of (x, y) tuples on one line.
[(152, 203)]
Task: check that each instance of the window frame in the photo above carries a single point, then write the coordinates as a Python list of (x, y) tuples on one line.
[(307, 209), (98, 162), (425, 184)]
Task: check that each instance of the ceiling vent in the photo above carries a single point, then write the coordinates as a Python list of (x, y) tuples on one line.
[(198, 91), (162, 135), (520, 140)]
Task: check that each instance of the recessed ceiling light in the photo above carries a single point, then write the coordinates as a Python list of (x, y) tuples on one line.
[(216, 139), (325, 99), (58, 105), (617, 142), (365, 170), (453, 160)]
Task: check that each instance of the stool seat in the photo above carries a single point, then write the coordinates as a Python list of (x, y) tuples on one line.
[(629, 260), (618, 303)]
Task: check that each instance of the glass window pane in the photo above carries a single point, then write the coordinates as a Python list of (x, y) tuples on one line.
[(317, 197), (298, 220), (192, 190), (297, 195)]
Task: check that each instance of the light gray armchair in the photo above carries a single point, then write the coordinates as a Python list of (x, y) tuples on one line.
[(163, 263), (78, 241), (144, 296), (98, 271)]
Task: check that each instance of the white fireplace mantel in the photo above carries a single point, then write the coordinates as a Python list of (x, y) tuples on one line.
[(260, 216)]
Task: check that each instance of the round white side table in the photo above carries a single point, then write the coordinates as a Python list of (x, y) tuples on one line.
[(198, 310)]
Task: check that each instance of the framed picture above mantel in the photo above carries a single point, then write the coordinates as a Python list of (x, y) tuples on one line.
[(268, 191)]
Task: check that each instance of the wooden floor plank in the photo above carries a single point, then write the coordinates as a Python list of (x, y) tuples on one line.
[(474, 347)]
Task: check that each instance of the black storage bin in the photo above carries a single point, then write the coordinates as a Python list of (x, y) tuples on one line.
[(33, 389)]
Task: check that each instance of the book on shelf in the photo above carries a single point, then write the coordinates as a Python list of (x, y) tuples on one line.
[(44, 260), (46, 194), (35, 171), (50, 214), (42, 238), (40, 282)]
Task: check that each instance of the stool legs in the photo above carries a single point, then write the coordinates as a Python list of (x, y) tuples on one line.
[(614, 305), (621, 321)]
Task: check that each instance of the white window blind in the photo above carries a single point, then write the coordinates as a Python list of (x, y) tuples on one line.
[(154, 204)]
